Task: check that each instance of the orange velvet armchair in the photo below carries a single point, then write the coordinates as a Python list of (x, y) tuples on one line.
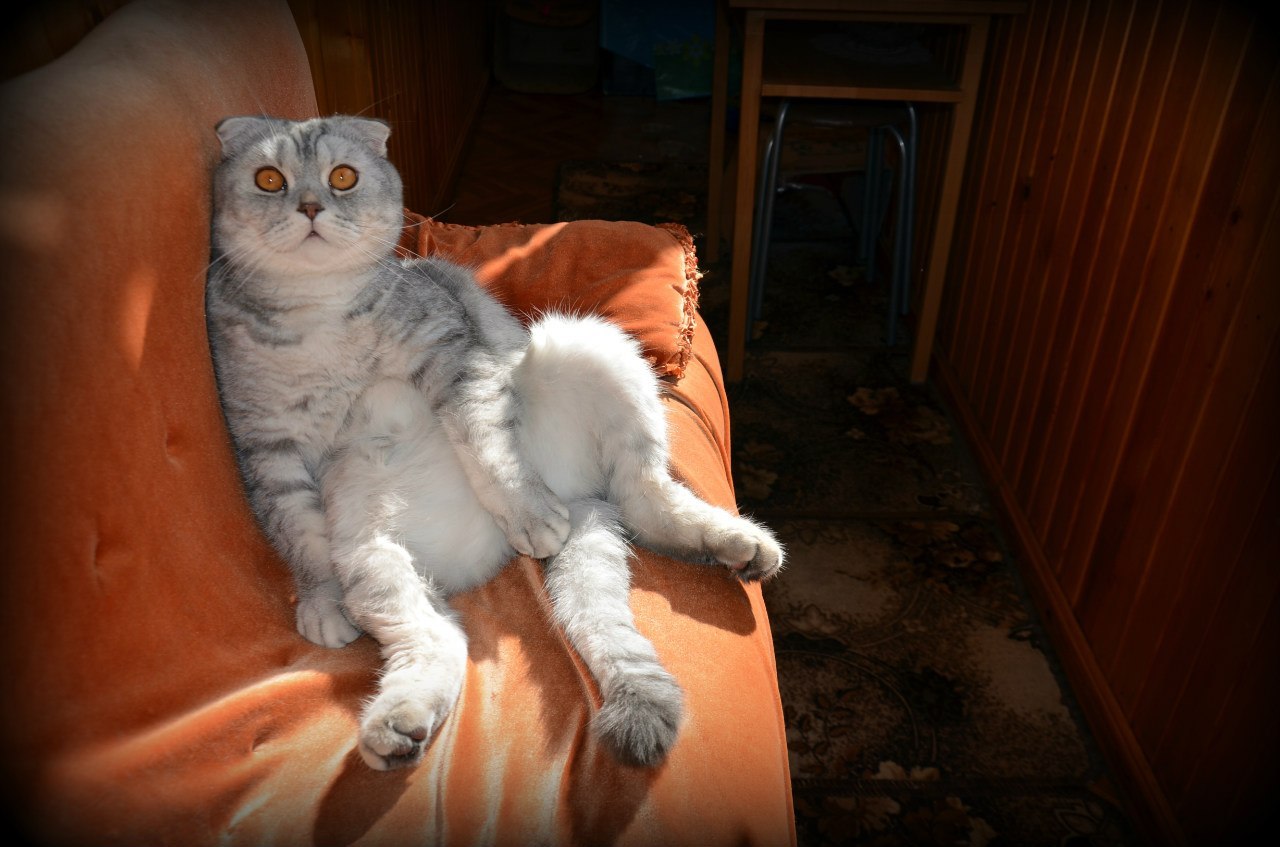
[(154, 688)]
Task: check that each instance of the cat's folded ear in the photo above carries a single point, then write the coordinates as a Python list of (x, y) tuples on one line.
[(237, 133), (372, 132)]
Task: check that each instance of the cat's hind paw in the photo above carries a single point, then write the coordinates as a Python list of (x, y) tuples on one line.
[(748, 549), (321, 621), (640, 718), (537, 524)]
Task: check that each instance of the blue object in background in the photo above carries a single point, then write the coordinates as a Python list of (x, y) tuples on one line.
[(674, 41)]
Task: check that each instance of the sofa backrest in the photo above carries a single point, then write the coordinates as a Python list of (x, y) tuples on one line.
[(122, 524)]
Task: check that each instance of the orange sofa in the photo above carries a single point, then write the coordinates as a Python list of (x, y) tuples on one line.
[(154, 688)]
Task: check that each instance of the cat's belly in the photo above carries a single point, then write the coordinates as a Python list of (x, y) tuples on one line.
[(402, 458)]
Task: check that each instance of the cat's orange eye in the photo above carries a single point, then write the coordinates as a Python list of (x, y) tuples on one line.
[(269, 179), (343, 177)]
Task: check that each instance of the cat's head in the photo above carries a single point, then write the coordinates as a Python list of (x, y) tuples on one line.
[(305, 198)]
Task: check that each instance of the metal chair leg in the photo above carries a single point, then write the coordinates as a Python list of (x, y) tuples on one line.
[(765, 192), (874, 182), (898, 273), (868, 236), (759, 233), (908, 233)]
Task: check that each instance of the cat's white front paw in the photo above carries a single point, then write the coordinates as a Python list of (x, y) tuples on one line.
[(640, 718), (747, 549), (320, 617), (536, 522), (401, 721)]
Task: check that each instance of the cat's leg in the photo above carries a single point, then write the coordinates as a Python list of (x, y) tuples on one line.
[(666, 516), (589, 584), (424, 651), (319, 615), (423, 647), (586, 376), (286, 499)]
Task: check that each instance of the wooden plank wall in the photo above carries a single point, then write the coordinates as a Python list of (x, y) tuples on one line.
[(1109, 336), (421, 66)]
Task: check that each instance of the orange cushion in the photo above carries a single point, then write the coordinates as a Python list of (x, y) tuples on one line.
[(644, 278), (154, 688)]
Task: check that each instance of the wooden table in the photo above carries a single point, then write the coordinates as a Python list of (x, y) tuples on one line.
[(787, 69)]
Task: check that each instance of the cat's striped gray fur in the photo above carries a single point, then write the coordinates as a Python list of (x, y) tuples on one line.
[(401, 435)]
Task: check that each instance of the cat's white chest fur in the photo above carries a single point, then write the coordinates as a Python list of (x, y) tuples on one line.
[(321, 375), (394, 445)]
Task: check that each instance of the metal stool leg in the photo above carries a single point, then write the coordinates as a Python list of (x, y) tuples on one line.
[(908, 233), (864, 225), (871, 203), (759, 233), (898, 273), (765, 192)]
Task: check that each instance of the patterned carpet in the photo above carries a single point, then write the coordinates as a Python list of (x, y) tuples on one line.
[(923, 704)]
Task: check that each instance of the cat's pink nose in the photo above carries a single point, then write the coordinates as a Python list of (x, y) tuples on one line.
[(310, 209)]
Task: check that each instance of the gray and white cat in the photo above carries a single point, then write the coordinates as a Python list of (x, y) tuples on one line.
[(401, 435)]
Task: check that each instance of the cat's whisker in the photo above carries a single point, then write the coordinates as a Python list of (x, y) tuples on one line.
[(444, 211), (385, 261)]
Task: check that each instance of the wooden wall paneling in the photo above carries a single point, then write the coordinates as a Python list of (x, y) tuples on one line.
[(1060, 238), (1119, 280), (459, 32), (1236, 263), (1039, 112), (422, 67), (1245, 394), (1098, 189), (1238, 499), (344, 51), (1219, 721), (1037, 481), (1252, 809), (307, 19), (397, 90), (1217, 674), (1004, 195), (1053, 483), (1024, 266), (1125, 399), (439, 115), (1211, 63), (982, 184), (1166, 459), (1246, 758), (436, 71), (1237, 731)]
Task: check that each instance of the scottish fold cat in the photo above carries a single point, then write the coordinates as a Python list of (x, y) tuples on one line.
[(401, 436)]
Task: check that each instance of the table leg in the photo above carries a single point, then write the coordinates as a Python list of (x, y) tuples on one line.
[(748, 131), (948, 200), (719, 113)]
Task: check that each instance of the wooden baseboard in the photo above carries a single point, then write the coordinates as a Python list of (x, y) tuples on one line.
[(1145, 800)]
